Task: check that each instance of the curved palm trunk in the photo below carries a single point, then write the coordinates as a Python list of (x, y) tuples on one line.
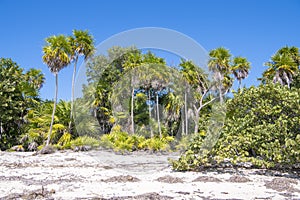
[(72, 98), (54, 108)]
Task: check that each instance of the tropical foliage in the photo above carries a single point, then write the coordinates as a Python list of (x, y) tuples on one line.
[(19, 93), (122, 141), (134, 101), (262, 127), (82, 44), (283, 66)]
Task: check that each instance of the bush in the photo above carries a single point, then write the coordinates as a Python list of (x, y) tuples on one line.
[(122, 141), (155, 144), (64, 141), (262, 127), (84, 141)]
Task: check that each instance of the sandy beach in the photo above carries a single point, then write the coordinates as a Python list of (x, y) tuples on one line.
[(102, 174)]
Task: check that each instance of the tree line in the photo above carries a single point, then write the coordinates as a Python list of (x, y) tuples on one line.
[(260, 126)]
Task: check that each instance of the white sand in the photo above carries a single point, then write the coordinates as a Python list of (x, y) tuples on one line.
[(82, 175)]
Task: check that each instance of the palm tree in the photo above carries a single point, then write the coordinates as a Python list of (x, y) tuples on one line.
[(198, 80), (161, 78), (56, 56), (293, 52), (134, 59), (82, 44), (148, 76), (219, 63), (35, 78), (240, 69), (283, 66)]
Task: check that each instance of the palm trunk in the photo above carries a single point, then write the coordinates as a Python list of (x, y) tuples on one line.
[(185, 113), (158, 120), (287, 79), (132, 116), (240, 84), (72, 97), (149, 108), (54, 108), (183, 124), (220, 87)]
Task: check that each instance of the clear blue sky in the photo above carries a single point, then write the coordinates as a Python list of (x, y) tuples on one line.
[(251, 28)]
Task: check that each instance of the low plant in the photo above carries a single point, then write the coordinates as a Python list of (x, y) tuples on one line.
[(84, 141), (122, 141)]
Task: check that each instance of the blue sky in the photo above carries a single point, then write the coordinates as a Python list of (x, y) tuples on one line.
[(251, 28)]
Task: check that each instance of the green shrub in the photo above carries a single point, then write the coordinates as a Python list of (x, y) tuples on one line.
[(64, 141), (156, 144), (122, 141), (84, 141), (261, 127), (106, 141), (40, 147)]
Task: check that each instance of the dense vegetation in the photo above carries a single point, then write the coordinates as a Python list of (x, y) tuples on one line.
[(262, 123), (134, 101), (261, 127), (19, 92)]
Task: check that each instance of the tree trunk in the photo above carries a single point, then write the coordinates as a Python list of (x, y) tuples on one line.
[(220, 87), (54, 108), (1, 129), (183, 124), (132, 108), (196, 120), (158, 120), (185, 113), (240, 84), (149, 107), (72, 97)]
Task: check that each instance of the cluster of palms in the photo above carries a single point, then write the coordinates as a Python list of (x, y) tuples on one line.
[(283, 66), (148, 76), (59, 52), (220, 62)]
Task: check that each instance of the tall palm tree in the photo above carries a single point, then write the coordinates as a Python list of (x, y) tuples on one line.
[(134, 59), (150, 58), (283, 66), (240, 69), (56, 56), (162, 76), (219, 63), (82, 44)]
